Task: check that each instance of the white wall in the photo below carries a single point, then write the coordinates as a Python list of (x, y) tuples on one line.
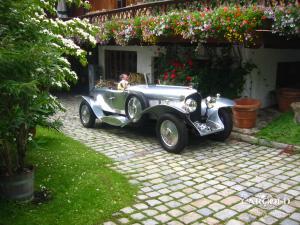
[(144, 56), (264, 78)]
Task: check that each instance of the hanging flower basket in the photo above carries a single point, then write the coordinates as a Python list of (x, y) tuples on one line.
[(245, 112)]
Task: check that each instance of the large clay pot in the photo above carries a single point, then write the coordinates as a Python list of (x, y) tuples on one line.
[(245, 111), (286, 96), (18, 186)]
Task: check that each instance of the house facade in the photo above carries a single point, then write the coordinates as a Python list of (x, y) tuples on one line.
[(277, 58)]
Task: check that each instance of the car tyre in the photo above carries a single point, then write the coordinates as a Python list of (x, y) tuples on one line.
[(172, 133), (226, 117), (87, 116), (134, 105)]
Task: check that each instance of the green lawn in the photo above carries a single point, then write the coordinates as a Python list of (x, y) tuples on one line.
[(283, 129), (85, 191)]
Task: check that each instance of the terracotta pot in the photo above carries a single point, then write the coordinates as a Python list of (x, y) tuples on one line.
[(245, 111), (286, 96), (18, 186)]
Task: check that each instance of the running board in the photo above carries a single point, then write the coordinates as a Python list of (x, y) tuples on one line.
[(115, 120)]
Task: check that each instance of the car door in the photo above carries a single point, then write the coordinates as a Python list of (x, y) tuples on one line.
[(117, 100), (106, 101)]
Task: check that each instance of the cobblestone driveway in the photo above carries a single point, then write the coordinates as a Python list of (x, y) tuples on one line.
[(206, 184)]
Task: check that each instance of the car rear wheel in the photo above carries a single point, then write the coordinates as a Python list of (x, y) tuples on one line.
[(226, 117), (134, 106), (87, 116), (172, 133)]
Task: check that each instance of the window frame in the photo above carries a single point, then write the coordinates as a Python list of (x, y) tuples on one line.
[(117, 62)]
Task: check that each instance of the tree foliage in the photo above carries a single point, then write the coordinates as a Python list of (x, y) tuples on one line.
[(34, 46)]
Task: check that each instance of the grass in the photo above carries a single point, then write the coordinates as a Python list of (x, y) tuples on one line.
[(84, 189), (283, 129)]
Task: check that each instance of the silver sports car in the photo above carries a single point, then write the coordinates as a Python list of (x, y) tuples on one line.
[(176, 110)]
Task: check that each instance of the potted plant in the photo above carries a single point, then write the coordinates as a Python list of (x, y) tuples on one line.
[(32, 61), (245, 112), (286, 96), (22, 108)]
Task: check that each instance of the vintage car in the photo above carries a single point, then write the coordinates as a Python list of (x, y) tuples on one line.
[(176, 109)]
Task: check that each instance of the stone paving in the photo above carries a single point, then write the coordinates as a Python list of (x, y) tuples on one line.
[(209, 183)]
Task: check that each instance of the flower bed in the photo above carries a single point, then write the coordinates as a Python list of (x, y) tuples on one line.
[(234, 24)]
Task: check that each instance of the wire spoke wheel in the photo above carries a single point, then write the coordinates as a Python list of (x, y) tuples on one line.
[(169, 133), (172, 133), (87, 116), (134, 109)]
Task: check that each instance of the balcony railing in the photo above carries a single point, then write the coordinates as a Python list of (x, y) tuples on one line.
[(162, 7)]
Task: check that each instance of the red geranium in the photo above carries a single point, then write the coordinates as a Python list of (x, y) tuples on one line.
[(190, 62), (176, 64), (173, 76), (166, 75), (188, 78)]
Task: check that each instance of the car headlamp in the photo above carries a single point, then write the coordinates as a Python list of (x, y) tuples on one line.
[(210, 102), (190, 105)]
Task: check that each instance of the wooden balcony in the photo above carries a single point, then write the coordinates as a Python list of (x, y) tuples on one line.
[(162, 7)]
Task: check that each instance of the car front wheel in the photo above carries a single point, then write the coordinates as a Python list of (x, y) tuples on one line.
[(172, 133), (87, 116)]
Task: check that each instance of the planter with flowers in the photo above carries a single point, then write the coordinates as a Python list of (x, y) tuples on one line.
[(234, 24)]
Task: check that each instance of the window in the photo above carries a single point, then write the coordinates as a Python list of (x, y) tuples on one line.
[(121, 3), (118, 62), (288, 75)]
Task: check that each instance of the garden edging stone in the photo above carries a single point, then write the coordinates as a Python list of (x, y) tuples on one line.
[(260, 141)]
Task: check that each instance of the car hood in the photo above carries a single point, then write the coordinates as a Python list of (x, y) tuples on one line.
[(163, 91)]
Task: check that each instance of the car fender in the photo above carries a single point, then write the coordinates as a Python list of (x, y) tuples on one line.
[(158, 110), (95, 106), (220, 103), (224, 103), (212, 113), (141, 95)]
